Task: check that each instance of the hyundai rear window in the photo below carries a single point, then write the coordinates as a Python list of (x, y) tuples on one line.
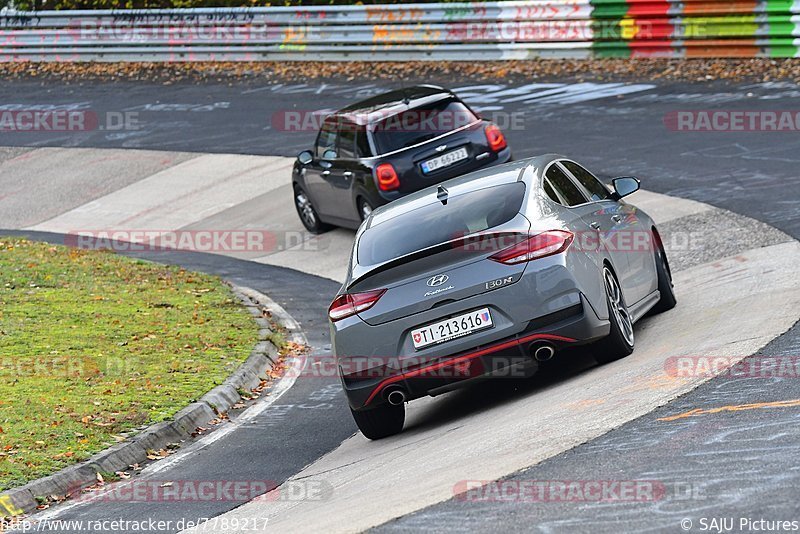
[(420, 124), (435, 223)]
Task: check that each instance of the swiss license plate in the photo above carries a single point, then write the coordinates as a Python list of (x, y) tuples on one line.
[(461, 325), (444, 160)]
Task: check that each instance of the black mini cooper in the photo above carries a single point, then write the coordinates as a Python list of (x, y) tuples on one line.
[(388, 146)]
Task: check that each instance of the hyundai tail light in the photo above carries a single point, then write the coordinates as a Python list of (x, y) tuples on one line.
[(535, 247), (352, 303)]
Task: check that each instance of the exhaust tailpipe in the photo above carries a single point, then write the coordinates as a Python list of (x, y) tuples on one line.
[(543, 352), (396, 397)]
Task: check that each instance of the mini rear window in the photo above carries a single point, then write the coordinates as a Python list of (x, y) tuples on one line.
[(421, 124), (435, 223)]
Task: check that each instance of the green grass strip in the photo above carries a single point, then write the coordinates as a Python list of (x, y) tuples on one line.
[(93, 344)]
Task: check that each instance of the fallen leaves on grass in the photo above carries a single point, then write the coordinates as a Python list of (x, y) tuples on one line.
[(96, 342)]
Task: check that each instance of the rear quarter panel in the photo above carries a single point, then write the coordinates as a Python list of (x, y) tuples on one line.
[(583, 260)]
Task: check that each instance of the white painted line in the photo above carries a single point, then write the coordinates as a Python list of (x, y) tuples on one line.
[(663, 208), (40, 184), (178, 196)]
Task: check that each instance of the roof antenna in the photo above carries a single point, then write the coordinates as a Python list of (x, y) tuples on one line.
[(406, 100), (441, 195)]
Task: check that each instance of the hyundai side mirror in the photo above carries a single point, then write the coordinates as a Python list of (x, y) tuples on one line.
[(305, 157), (625, 185)]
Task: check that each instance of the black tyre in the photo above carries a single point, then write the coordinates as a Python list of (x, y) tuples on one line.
[(307, 212), (364, 208), (380, 422), (667, 300), (619, 342)]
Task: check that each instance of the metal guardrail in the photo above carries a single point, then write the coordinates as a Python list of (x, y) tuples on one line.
[(433, 31)]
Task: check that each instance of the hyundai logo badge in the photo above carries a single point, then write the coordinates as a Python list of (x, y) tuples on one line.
[(437, 280)]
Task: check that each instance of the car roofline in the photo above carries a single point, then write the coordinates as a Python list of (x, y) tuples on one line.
[(410, 93), (362, 117)]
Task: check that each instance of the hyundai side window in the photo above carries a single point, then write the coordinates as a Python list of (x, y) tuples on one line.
[(594, 186), (565, 187), (548, 189)]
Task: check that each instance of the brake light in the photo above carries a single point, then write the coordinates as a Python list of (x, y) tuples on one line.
[(387, 177), (353, 303), (535, 247), (497, 141)]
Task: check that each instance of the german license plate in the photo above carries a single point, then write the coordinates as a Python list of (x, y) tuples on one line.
[(444, 160), (459, 326)]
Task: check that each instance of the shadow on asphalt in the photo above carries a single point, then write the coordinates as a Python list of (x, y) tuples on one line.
[(489, 394)]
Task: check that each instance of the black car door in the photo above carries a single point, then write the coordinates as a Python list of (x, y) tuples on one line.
[(340, 176), (317, 172)]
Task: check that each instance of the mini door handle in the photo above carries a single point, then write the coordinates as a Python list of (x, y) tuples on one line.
[(325, 173), (348, 174), (595, 225), (616, 218)]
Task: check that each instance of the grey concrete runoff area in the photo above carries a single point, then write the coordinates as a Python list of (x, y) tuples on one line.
[(728, 207)]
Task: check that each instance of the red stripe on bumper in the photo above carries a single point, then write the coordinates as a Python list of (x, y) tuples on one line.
[(463, 358)]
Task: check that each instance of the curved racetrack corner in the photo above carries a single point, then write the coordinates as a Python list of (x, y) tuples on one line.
[(737, 290)]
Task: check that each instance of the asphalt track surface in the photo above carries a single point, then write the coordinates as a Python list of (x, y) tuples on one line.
[(739, 463)]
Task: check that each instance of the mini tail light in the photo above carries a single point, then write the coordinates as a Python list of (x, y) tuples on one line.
[(352, 303), (535, 247), (387, 177), (495, 137)]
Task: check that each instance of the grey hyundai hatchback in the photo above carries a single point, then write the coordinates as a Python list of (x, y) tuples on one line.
[(488, 274)]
